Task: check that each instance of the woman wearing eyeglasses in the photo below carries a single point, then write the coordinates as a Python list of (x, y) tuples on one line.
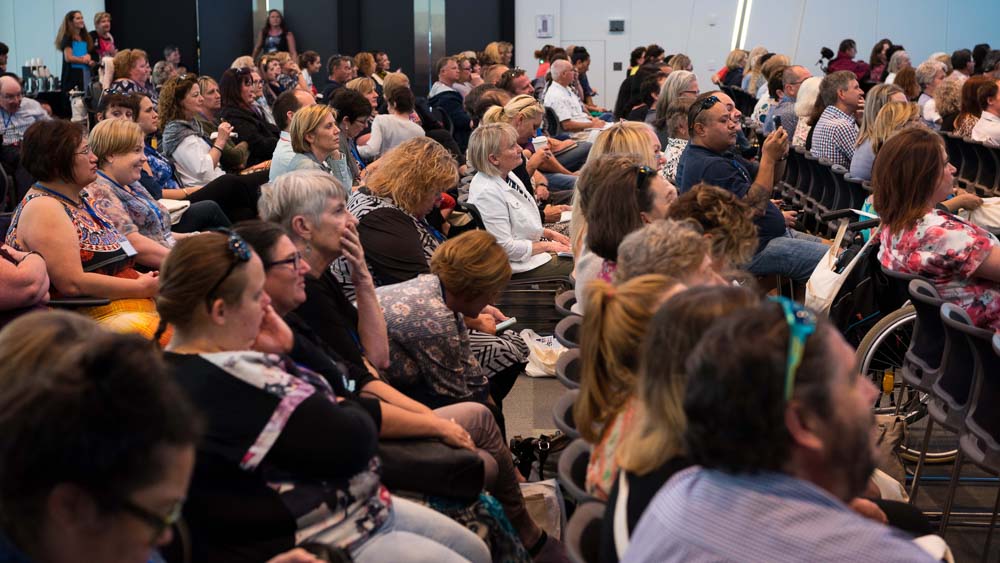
[(237, 89), (88, 476), (460, 425), (508, 210), (286, 457), (84, 253)]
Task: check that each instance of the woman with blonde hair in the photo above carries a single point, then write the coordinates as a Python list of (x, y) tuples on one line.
[(393, 213), (773, 65), (875, 100), (752, 77), (653, 451), (612, 332), (315, 140), (500, 52), (118, 145), (731, 74), (893, 116), (680, 61), (245, 61), (525, 114), (507, 207), (367, 88)]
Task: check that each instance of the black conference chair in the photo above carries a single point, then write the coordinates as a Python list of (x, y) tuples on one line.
[(568, 331), (565, 302), (568, 368), (573, 471), (562, 413), (583, 533)]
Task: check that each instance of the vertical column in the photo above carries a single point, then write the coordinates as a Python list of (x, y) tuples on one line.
[(428, 42)]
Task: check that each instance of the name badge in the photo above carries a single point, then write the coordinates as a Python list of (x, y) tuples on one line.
[(128, 248)]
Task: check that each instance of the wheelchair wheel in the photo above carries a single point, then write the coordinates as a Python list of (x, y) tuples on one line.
[(880, 358)]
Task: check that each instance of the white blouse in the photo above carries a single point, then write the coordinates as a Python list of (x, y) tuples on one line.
[(511, 216), (194, 163)]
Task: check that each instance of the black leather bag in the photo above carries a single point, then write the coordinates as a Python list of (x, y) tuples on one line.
[(431, 467)]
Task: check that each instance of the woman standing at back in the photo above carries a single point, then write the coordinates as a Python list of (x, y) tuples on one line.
[(274, 37), (74, 42)]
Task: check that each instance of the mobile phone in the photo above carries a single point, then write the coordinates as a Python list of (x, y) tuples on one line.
[(505, 324), (777, 122)]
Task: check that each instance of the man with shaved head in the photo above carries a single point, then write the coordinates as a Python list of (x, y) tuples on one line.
[(564, 101)]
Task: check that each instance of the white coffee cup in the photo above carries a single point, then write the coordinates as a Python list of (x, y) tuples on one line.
[(540, 142)]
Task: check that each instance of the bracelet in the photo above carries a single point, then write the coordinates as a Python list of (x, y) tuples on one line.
[(185, 190), (38, 254), (216, 148), (542, 185)]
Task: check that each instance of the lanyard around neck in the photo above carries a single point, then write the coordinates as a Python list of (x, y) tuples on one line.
[(145, 201), (83, 203)]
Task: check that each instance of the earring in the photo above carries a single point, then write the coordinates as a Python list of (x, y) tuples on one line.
[(308, 249)]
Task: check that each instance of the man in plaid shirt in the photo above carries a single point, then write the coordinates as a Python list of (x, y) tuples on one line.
[(836, 131)]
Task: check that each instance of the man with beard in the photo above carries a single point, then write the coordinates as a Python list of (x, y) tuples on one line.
[(780, 426)]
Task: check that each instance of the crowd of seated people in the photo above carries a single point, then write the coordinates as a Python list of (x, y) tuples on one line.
[(310, 271)]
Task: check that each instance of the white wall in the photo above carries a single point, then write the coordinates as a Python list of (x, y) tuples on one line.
[(703, 29), (37, 23)]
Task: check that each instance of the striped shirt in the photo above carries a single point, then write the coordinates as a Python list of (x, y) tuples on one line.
[(835, 136), (704, 515)]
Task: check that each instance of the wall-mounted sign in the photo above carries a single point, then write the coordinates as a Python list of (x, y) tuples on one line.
[(543, 25)]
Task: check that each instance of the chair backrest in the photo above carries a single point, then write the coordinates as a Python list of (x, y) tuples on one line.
[(899, 282), (970, 163), (983, 420), (987, 167), (552, 121), (568, 368), (927, 343), (562, 413), (573, 470), (568, 331), (958, 364), (583, 533), (565, 302)]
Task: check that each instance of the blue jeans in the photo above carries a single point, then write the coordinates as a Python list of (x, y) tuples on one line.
[(417, 533), (574, 159), (560, 182), (793, 255)]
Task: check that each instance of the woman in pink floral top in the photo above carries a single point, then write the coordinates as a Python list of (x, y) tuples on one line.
[(911, 177)]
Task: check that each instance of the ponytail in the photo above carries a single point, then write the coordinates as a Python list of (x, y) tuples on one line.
[(494, 115), (613, 329)]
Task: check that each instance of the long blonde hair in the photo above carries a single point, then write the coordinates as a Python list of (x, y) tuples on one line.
[(616, 320), (672, 332), (891, 118)]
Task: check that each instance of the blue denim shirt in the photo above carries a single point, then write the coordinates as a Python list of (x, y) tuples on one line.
[(731, 173)]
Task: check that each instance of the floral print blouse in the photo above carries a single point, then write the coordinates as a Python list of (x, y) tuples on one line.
[(947, 250), (672, 154), (131, 209)]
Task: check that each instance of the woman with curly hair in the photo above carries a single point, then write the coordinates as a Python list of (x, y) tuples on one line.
[(395, 212), (726, 221)]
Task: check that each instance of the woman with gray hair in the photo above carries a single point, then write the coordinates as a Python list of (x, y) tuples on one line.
[(929, 75), (900, 60), (804, 102), (676, 249), (507, 207), (680, 84)]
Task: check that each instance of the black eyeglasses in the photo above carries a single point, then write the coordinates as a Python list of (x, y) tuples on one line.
[(705, 104), (643, 174), (295, 260), (157, 522), (241, 254)]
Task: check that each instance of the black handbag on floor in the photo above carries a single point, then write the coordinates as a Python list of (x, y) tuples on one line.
[(431, 467)]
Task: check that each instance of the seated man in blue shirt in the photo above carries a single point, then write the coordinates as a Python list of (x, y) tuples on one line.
[(780, 426), (713, 124)]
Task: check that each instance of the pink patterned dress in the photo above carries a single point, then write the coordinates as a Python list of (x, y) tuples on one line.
[(947, 250)]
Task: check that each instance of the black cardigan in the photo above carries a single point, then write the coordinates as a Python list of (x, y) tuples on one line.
[(258, 133)]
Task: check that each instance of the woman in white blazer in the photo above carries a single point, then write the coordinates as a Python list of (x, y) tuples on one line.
[(508, 208)]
